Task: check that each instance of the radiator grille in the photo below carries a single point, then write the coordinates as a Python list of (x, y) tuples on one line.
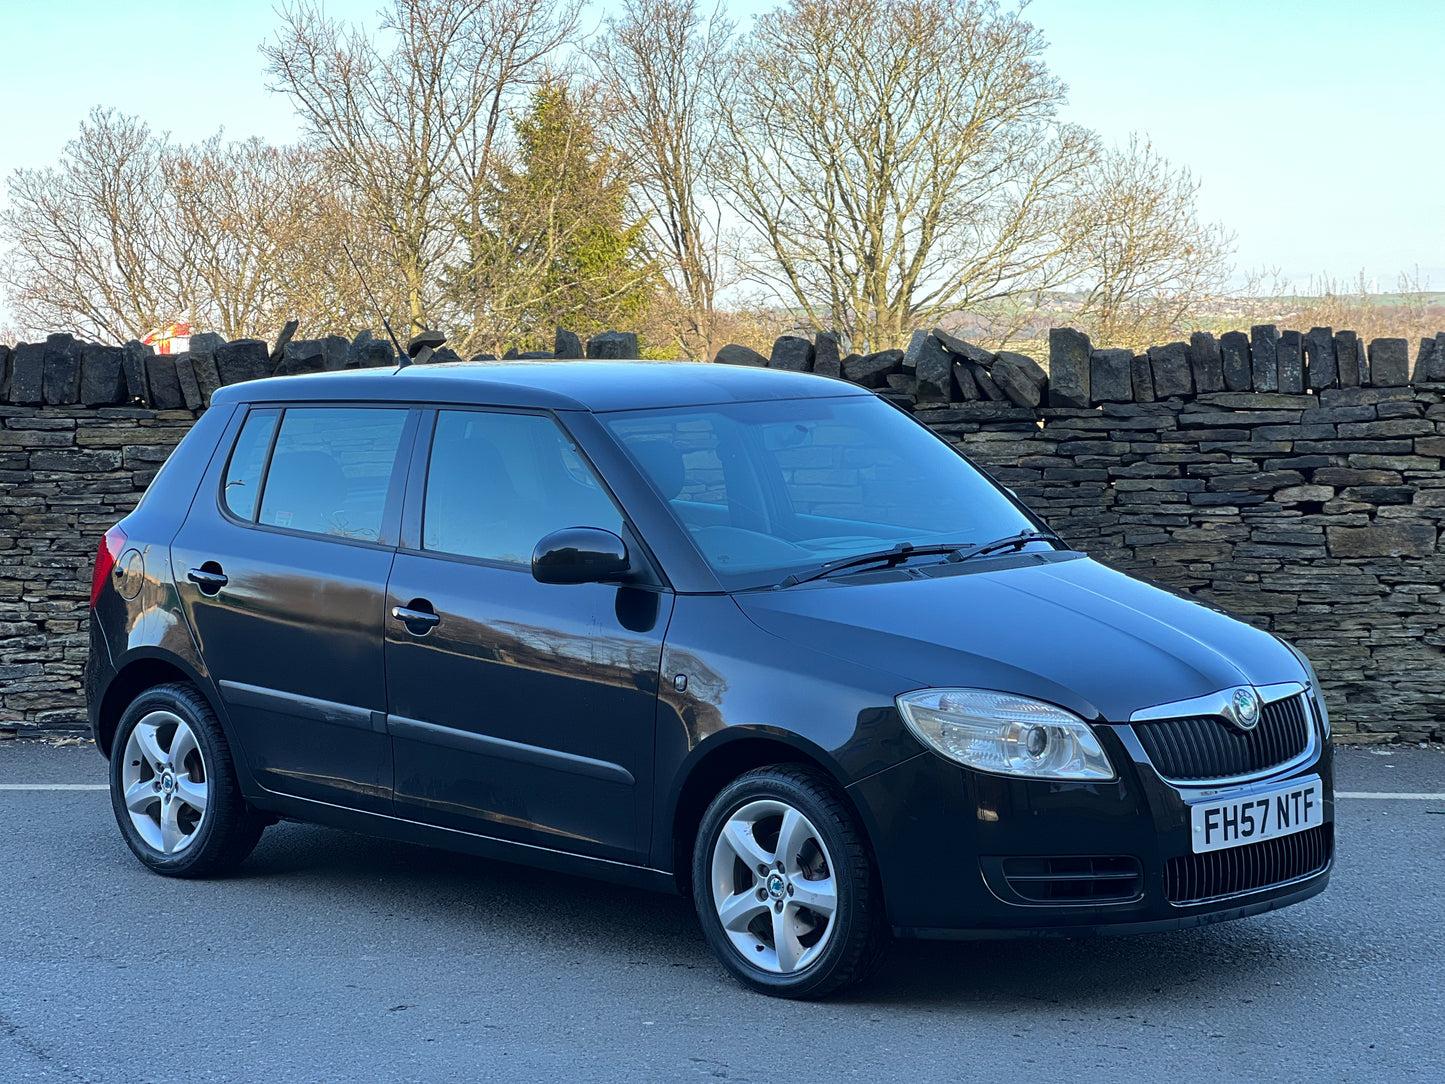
[(1207, 747), (1194, 878)]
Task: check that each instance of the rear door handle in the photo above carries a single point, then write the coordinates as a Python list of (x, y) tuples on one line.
[(417, 615), (209, 579)]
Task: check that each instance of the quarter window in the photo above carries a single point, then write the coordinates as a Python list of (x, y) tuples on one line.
[(331, 469), (248, 460), (499, 483)]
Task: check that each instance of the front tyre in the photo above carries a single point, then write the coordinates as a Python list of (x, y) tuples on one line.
[(784, 885), (173, 786)]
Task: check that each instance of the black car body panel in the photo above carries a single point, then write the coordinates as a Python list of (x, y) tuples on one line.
[(295, 645), (559, 752), (955, 821), (1129, 645), (744, 686), (371, 683), (595, 386), (146, 632)]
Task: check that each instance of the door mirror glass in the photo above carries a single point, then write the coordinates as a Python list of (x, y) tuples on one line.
[(580, 555)]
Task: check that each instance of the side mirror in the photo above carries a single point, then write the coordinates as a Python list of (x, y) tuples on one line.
[(580, 555)]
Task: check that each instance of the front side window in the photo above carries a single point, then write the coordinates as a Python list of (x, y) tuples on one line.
[(498, 483), (331, 469), (770, 488)]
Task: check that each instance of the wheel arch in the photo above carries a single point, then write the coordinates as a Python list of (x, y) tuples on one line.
[(716, 763), (142, 670)]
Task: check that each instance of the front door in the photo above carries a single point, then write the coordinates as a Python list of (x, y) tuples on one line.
[(281, 567), (517, 709)]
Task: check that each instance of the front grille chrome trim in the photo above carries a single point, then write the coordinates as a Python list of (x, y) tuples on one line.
[(1217, 703), (1196, 784)]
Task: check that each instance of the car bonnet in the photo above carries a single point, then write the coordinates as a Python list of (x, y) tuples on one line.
[(1070, 631)]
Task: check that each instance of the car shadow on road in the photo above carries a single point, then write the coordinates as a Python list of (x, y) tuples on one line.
[(475, 900)]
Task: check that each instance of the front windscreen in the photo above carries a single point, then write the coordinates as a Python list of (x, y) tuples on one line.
[(771, 489)]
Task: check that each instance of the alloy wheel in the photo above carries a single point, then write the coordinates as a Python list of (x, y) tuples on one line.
[(773, 886), (165, 782)]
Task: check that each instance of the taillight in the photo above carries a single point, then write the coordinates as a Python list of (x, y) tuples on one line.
[(110, 547)]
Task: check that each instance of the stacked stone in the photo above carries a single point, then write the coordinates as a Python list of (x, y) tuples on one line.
[(613, 345), (62, 371), (1312, 509), (67, 474), (937, 367), (1266, 360)]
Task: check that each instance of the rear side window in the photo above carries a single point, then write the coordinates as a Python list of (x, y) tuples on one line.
[(242, 486), (331, 469), (498, 483)]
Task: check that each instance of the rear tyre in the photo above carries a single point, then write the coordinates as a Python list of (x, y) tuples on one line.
[(173, 786), (784, 885)]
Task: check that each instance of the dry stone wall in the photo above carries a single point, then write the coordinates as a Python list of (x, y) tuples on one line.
[(62, 371), (1292, 479), (1314, 516), (67, 473)]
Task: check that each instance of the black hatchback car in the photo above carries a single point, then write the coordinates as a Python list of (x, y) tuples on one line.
[(751, 635)]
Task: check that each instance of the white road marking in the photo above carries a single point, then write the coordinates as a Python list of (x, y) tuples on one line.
[(54, 786), (1389, 796)]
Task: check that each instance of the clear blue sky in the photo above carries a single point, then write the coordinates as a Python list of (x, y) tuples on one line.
[(1314, 126)]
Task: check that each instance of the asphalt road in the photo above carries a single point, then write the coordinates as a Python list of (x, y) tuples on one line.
[(333, 957)]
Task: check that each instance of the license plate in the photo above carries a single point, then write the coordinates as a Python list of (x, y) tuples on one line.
[(1281, 811)]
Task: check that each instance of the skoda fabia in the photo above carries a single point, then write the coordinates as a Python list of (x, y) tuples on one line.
[(754, 636)]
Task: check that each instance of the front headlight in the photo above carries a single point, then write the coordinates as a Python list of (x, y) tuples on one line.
[(1005, 733)]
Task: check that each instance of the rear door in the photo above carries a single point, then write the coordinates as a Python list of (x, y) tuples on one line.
[(517, 709), (281, 567)]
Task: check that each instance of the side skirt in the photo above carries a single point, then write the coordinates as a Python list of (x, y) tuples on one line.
[(453, 839)]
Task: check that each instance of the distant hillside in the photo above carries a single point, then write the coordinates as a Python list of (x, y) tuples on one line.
[(1405, 315)]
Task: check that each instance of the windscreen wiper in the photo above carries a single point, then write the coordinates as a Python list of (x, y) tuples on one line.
[(907, 550), (1013, 541), (888, 558)]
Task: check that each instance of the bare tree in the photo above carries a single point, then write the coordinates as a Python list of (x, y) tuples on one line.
[(898, 160), (132, 231), (413, 130), (1149, 259), (90, 245), (263, 229), (657, 62), (320, 286), (243, 210)]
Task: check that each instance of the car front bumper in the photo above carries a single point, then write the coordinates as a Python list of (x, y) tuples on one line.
[(942, 834)]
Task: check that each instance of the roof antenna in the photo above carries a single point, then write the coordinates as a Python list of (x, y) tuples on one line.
[(403, 357)]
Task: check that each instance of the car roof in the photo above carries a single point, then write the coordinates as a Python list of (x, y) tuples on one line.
[(557, 385)]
